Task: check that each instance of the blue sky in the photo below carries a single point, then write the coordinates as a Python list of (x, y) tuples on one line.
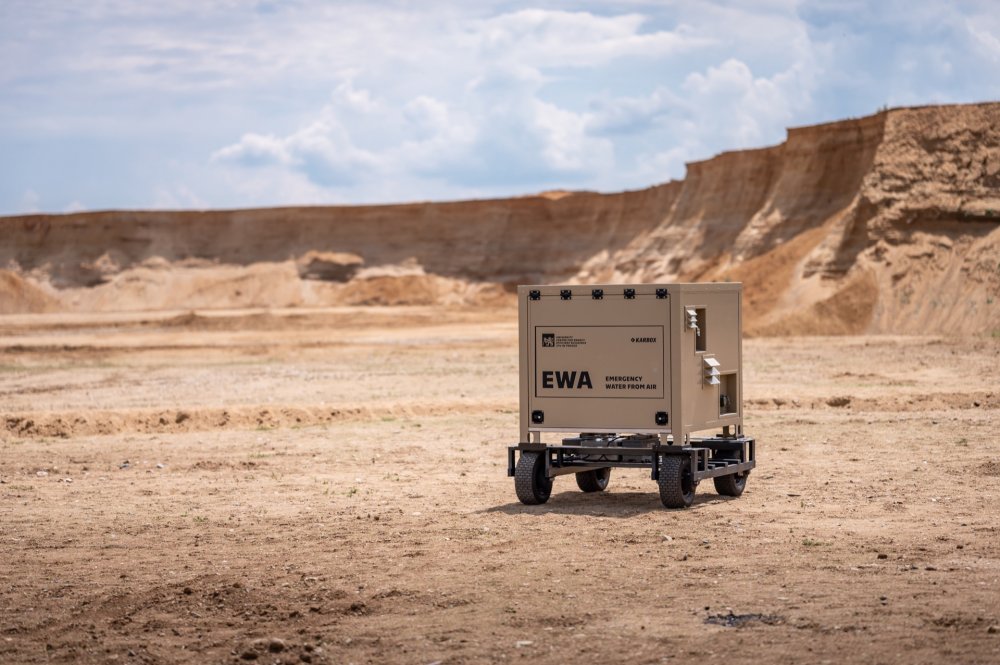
[(226, 103)]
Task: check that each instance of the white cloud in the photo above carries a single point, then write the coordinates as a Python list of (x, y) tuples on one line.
[(726, 106), (242, 103), (744, 108), (176, 197), (255, 150), (275, 186), (988, 42), (632, 114), (426, 115), (30, 201), (518, 140), (575, 39), (567, 147), (494, 122)]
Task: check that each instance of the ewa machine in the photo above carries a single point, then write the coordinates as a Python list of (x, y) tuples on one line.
[(633, 371)]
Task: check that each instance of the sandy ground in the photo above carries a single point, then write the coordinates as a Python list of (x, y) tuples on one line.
[(330, 487)]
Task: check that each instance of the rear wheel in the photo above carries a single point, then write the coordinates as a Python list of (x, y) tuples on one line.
[(676, 482), (731, 485), (594, 481), (530, 482)]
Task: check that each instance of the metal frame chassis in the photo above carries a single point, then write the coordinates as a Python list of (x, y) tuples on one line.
[(700, 450)]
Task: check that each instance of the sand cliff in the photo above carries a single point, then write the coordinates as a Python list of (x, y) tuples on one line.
[(889, 223)]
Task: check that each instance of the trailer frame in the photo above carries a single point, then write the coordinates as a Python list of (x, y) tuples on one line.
[(564, 459), (708, 457)]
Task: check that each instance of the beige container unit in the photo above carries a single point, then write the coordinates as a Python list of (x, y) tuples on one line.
[(638, 370)]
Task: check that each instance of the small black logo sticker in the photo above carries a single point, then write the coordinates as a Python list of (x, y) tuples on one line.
[(548, 339)]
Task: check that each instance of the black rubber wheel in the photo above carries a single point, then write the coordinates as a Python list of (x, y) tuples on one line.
[(594, 481), (676, 484), (530, 482), (731, 485)]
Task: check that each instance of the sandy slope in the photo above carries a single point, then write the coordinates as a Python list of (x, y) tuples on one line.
[(336, 481), (889, 223)]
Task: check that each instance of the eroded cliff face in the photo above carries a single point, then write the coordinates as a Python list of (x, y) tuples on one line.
[(889, 223), (484, 243)]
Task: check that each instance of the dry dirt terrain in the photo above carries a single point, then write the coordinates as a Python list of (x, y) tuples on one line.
[(329, 487)]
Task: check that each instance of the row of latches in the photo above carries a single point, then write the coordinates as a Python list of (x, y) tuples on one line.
[(596, 294)]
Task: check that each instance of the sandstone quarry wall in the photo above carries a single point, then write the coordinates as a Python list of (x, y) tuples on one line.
[(888, 223)]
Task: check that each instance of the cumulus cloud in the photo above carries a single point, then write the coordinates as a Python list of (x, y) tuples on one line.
[(235, 103), (502, 132), (632, 115), (497, 114), (752, 107), (726, 106), (255, 150), (575, 39)]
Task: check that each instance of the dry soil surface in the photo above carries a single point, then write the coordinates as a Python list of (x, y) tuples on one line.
[(330, 487)]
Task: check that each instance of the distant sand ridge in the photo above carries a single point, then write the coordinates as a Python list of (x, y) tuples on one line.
[(889, 223)]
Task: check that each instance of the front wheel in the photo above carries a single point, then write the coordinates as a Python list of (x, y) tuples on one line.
[(530, 482), (676, 482), (594, 481)]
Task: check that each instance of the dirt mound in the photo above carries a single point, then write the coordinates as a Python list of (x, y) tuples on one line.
[(66, 424), (20, 296), (329, 266), (889, 223), (847, 312), (903, 403)]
